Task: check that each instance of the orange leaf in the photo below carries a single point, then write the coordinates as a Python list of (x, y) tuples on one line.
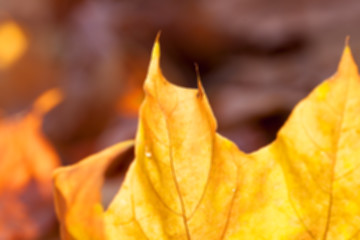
[(26, 164), (188, 182), (84, 218)]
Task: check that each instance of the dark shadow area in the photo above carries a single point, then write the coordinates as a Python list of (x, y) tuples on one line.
[(114, 176)]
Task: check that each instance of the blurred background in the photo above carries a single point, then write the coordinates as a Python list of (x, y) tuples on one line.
[(257, 59)]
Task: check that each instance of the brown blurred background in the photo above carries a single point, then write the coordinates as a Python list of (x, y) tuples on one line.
[(257, 59)]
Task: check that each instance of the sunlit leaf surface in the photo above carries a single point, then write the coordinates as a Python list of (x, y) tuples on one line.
[(188, 182)]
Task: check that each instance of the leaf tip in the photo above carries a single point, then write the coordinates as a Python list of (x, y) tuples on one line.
[(155, 55), (154, 66), (347, 49), (347, 39), (198, 79), (347, 62), (48, 100)]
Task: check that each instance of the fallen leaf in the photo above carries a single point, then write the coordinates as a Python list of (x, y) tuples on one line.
[(188, 182), (26, 164), (84, 213)]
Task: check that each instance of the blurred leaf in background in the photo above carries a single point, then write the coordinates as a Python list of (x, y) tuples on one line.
[(27, 160)]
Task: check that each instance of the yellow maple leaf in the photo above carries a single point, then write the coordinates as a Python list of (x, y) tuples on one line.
[(188, 182)]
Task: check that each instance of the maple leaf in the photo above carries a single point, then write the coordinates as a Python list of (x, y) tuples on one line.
[(188, 182), (26, 164)]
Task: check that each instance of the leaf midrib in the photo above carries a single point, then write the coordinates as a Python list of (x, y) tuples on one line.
[(334, 157)]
